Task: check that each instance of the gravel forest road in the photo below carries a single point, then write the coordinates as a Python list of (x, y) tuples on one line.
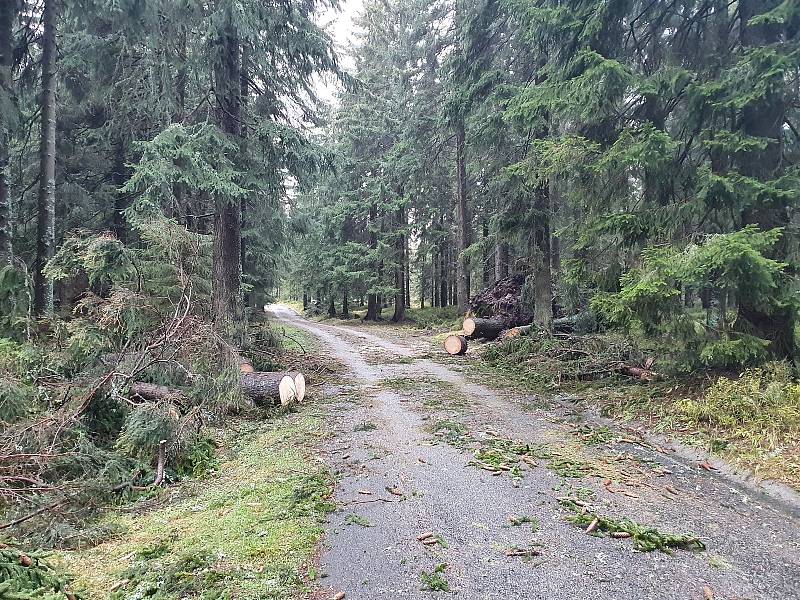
[(405, 427)]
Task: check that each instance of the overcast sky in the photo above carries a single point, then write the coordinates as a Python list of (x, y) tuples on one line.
[(340, 25)]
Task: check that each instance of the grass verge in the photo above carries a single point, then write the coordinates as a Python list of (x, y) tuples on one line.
[(752, 420), (248, 533)]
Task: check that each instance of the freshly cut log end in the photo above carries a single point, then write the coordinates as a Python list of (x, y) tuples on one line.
[(286, 391), (263, 388), (245, 366), (475, 327), (455, 344), (300, 386), (267, 388)]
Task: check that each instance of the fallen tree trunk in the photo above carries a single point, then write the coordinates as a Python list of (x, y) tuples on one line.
[(153, 391), (263, 388), (455, 345), (515, 332), (475, 327), (638, 372)]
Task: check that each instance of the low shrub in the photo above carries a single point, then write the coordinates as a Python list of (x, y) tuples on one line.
[(761, 407)]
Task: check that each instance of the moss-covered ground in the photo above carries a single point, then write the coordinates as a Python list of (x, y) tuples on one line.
[(250, 531)]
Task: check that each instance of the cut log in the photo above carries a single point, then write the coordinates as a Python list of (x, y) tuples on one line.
[(475, 327), (263, 388), (300, 386), (245, 365), (455, 344)]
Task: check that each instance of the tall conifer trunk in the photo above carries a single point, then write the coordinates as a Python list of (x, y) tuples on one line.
[(7, 14), (226, 277), (373, 303), (764, 119), (501, 260), (543, 279), (46, 204), (462, 269), (399, 272), (487, 257), (443, 267), (244, 87)]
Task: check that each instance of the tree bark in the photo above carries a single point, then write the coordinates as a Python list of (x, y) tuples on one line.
[(399, 273), (543, 281), (489, 329), (407, 262), (8, 12), (46, 205), (435, 280), (345, 304), (226, 278), (462, 270), (500, 260), (443, 286), (422, 279), (556, 200), (373, 304), (243, 93), (487, 279), (331, 306)]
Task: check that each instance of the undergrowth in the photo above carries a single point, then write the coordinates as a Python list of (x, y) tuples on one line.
[(435, 318), (752, 419)]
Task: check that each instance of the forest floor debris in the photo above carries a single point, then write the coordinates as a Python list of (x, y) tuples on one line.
[(645, 538)]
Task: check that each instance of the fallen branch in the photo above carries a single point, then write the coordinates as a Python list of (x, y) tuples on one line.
[(162, 458)]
